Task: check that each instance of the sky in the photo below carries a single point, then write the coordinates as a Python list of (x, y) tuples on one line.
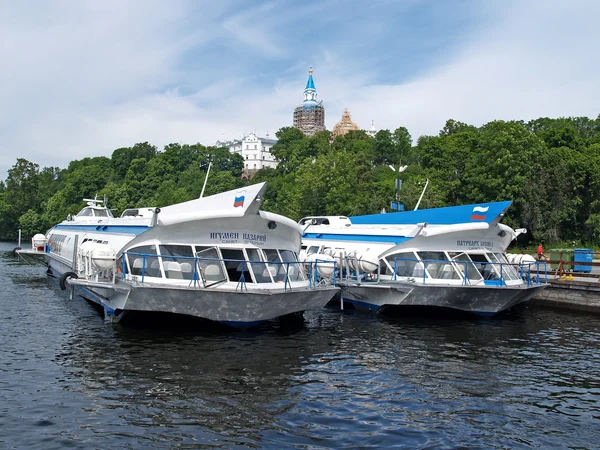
[(81, 79)]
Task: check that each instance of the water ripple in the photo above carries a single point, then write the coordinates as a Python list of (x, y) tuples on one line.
[(344, 380)]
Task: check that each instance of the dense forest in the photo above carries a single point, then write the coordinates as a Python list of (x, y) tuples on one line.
[(550, 168)]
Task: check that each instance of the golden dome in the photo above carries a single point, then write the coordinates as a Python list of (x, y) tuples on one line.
[(344, 125)]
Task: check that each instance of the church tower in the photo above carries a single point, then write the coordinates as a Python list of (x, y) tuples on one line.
[(344, 125), (309, 117)]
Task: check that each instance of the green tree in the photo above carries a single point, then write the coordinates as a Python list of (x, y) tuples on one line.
[(32, 223), (22, 183), (122, 157)]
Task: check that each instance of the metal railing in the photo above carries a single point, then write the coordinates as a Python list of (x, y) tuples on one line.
[(498, 273), (276, 271), (562, 262)]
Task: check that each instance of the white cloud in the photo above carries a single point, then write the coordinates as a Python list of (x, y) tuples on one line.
[(538, 60), (86, 78)]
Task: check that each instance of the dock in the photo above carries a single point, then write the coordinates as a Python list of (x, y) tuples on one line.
[(574, 284), (577, 294)]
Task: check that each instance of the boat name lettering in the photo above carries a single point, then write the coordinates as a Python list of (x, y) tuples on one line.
[(488, 244), (222, 236), (255, 237), (467, 243)]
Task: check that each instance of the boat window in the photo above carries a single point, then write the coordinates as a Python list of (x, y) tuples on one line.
[(210, 265), (507, 269), (405, 264), (436, 263), (178, 261), (101, 213), (130, 213), (463, 261), (262, 272), (143, 259), (200, 248), (312, 249), (120, 266), (236, 264), (273, 257), (293, 269), (385, 268), (488, 268), (85, 212)]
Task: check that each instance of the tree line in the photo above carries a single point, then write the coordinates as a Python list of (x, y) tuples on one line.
[(549, 168)]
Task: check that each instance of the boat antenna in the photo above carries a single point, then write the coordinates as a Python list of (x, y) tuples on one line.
[(205, 179), (422, 193)]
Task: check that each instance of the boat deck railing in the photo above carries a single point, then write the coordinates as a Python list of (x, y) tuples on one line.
[(204, 272), (432, 271)]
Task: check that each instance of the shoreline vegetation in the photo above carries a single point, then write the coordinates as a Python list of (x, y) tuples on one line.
[(549, 168)]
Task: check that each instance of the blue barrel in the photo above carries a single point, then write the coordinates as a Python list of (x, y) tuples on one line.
[(583, 255)]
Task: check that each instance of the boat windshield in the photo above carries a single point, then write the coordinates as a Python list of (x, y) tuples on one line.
[(507, 269), (463, 262), (403, 264), (94, 212), (215, 264), (143, 259), (438, 265)]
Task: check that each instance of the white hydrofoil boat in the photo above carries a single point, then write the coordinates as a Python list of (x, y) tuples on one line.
[(218, 258), (442, 257)]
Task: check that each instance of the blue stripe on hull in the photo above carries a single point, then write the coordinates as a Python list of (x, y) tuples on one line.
[(362, 305), (123, 229), (356, 237)]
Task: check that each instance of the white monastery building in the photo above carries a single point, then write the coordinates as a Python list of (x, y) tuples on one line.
[(255, 151)]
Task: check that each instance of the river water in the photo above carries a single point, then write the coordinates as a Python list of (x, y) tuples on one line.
[(341, 380)]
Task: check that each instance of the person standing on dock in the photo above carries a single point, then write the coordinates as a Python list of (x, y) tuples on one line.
[(540, 252)]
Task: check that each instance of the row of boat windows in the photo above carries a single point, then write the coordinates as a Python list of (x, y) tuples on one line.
[(56, 242), (214, 264), (445, 265), (449, 265), (99, 241)]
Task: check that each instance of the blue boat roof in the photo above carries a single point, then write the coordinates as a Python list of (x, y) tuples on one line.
[(481, 212)]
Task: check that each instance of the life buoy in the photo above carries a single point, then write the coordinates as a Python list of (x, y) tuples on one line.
[(63, 279)]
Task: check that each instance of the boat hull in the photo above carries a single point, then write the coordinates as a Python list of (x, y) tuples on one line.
[(481, 300), (237, 308)]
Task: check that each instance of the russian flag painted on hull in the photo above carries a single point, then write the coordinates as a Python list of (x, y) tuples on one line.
[(479, 213), (239, 199)]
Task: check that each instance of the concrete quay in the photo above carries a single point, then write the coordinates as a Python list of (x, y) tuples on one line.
[(572, 290), (580, 294)]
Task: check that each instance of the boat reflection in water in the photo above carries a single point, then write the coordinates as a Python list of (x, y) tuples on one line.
[(218, 258), (209, 386), (450, 258)]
